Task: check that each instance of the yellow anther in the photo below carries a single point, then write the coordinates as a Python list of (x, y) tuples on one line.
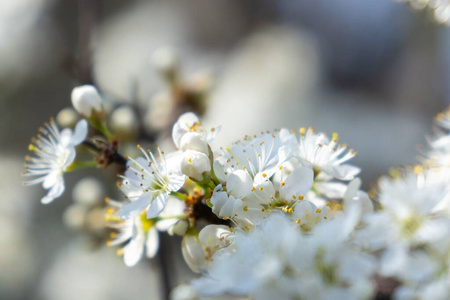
[(294, 196), (253, 189), (298, 221), (246, 228), (440, 116), (302, 131), (418, 169), (264, 175), (113, 235), (263, 209), (109, 243), (318, 210), (282, 183), (338, 207), (284, 209), (289, 210), (261, 188), (328, 203), (32, 147), (231, 229), (301, 197), (225, 218), (107, 200), (119, 252), (334, 137), (110, 211), (190, 160), (281, 167), (311, 129), (245, 208)]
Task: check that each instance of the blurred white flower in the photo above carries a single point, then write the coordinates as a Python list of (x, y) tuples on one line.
[(198, 251), (124, 122), (54, 152), (276, 261), (86, 99), (140, 234), (414, 207), (88, 191)]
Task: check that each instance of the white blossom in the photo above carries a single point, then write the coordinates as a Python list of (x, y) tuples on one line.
[(139, 234), (148, 181), (276, 261), (412, 215), (54, 152), (261, 156), (198, 250), (325, 155)]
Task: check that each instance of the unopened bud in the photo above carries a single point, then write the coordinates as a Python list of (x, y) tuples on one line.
[(193, 253), (194, 141), (195, 164), (179, 228), (86, 99), (184, 292)]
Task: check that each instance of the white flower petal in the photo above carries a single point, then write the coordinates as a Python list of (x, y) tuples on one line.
[(157, 206), (80, 133), (239, 183), (133, 251), (152, 242), (134, 208), (299, 182), (56, 191)]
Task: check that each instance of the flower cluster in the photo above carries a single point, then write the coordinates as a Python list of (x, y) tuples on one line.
[(278, 215)]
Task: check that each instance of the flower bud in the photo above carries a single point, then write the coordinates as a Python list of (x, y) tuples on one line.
[(194, 141), (184, 292), (179, 228), (85, 99), (193, 253), (195, 164)]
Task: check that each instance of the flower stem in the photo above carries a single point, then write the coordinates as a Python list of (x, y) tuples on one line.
[(80, 165)]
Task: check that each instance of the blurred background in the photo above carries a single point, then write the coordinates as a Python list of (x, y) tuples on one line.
[(375, 71)]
